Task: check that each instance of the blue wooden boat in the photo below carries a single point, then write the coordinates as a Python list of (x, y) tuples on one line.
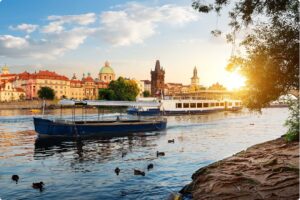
[(104, 128), (46, 127)]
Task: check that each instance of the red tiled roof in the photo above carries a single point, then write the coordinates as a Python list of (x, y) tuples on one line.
[(7, 75), (88, 79), (76, 81), (19, 90), (42, 74)]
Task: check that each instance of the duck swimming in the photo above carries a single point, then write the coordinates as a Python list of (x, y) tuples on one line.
[(171, 141), (139, 172), (150, 166), (160, 153), (15, 178), (117, 171), (39, 185)]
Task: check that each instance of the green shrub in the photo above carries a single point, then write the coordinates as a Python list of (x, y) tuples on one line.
[(293, 122)]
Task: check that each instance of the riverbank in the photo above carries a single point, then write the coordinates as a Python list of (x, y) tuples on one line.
[(28, 104), (268, 170)]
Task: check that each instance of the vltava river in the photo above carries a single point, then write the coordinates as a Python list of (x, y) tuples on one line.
[(84, 169)]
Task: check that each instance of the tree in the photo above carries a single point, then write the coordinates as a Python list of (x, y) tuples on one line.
[(146, 93), (271, 59), (120, 89), (217, 86), (46, 93)]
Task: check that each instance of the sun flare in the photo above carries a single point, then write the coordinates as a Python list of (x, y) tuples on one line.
[(234, 80)]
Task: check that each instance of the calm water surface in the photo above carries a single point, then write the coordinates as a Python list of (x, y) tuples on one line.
[(84, 169)]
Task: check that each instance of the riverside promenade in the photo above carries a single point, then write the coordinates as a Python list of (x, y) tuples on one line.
[(28, 104)]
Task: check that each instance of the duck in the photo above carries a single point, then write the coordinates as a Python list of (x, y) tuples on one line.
[(138, 172), (117, 171), (160, 153), (39, 185), (124, 154), (150, 166), (171, 141), (15, 178)]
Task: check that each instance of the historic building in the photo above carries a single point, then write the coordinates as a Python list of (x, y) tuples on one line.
[(195, 80), (28, 84), (8, 91), (157, 80), (147, 85), (106, 73)]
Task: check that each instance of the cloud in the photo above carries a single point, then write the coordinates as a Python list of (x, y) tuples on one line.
[(134, 22), (29, 28), (49, 47), (57, 22), (129, 24)]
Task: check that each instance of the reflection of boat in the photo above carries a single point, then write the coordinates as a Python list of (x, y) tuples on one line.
[(47, 127), (188, 106)]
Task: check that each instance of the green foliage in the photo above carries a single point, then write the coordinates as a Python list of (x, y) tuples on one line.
[(46, 93), (107, 94), (146, 93), (120, 89), (293, 122)]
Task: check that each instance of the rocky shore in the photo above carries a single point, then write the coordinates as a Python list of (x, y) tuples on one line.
[(268, 170)]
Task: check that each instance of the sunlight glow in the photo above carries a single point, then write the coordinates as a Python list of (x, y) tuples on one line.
[(234, 80)]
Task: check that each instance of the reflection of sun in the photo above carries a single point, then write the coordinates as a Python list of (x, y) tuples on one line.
[(234, 80)]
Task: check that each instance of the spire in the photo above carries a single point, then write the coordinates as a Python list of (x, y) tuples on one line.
[(106, 64), (157, 65), (195, 72), (74, 77), (89, 74)]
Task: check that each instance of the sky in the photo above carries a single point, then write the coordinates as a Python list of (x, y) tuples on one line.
[(78, 36)]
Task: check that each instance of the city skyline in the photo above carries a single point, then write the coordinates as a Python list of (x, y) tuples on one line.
[(131, 35)]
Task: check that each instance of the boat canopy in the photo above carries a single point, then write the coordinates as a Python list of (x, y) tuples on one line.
[(111, 103)]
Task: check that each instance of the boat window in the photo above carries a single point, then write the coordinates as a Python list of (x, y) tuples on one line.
[(222, 104), (199, 105), (212, 104), (193, 105), (186, 105), (205, 105), (178, 105), (217, 104)]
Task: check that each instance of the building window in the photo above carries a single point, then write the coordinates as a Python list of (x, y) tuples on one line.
[(236, 103), (217, 104), (222, 104), (178, 105), (104, 77), (205, 105), (193, 105), (199, 105), (212, 104), (230, 104), (186, 105)]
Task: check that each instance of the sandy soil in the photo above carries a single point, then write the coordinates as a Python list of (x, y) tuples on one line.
[(265, 171)]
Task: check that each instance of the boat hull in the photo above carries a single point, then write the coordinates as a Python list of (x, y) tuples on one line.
[(45, 127)]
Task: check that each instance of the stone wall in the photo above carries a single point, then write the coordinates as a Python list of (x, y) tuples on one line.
[(30, 104)]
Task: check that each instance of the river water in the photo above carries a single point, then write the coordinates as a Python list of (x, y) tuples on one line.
[(84, 169)]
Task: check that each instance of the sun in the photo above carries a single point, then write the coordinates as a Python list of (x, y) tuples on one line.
[(234, 80)]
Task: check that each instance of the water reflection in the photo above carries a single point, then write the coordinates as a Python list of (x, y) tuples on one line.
[(96, 149)]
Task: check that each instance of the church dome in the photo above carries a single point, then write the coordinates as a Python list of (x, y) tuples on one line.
[(106, 69)]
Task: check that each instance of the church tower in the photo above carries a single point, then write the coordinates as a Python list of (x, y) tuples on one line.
[(157, 80), (195, 79)]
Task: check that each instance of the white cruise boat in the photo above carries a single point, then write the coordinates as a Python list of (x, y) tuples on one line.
[(187, 106)]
